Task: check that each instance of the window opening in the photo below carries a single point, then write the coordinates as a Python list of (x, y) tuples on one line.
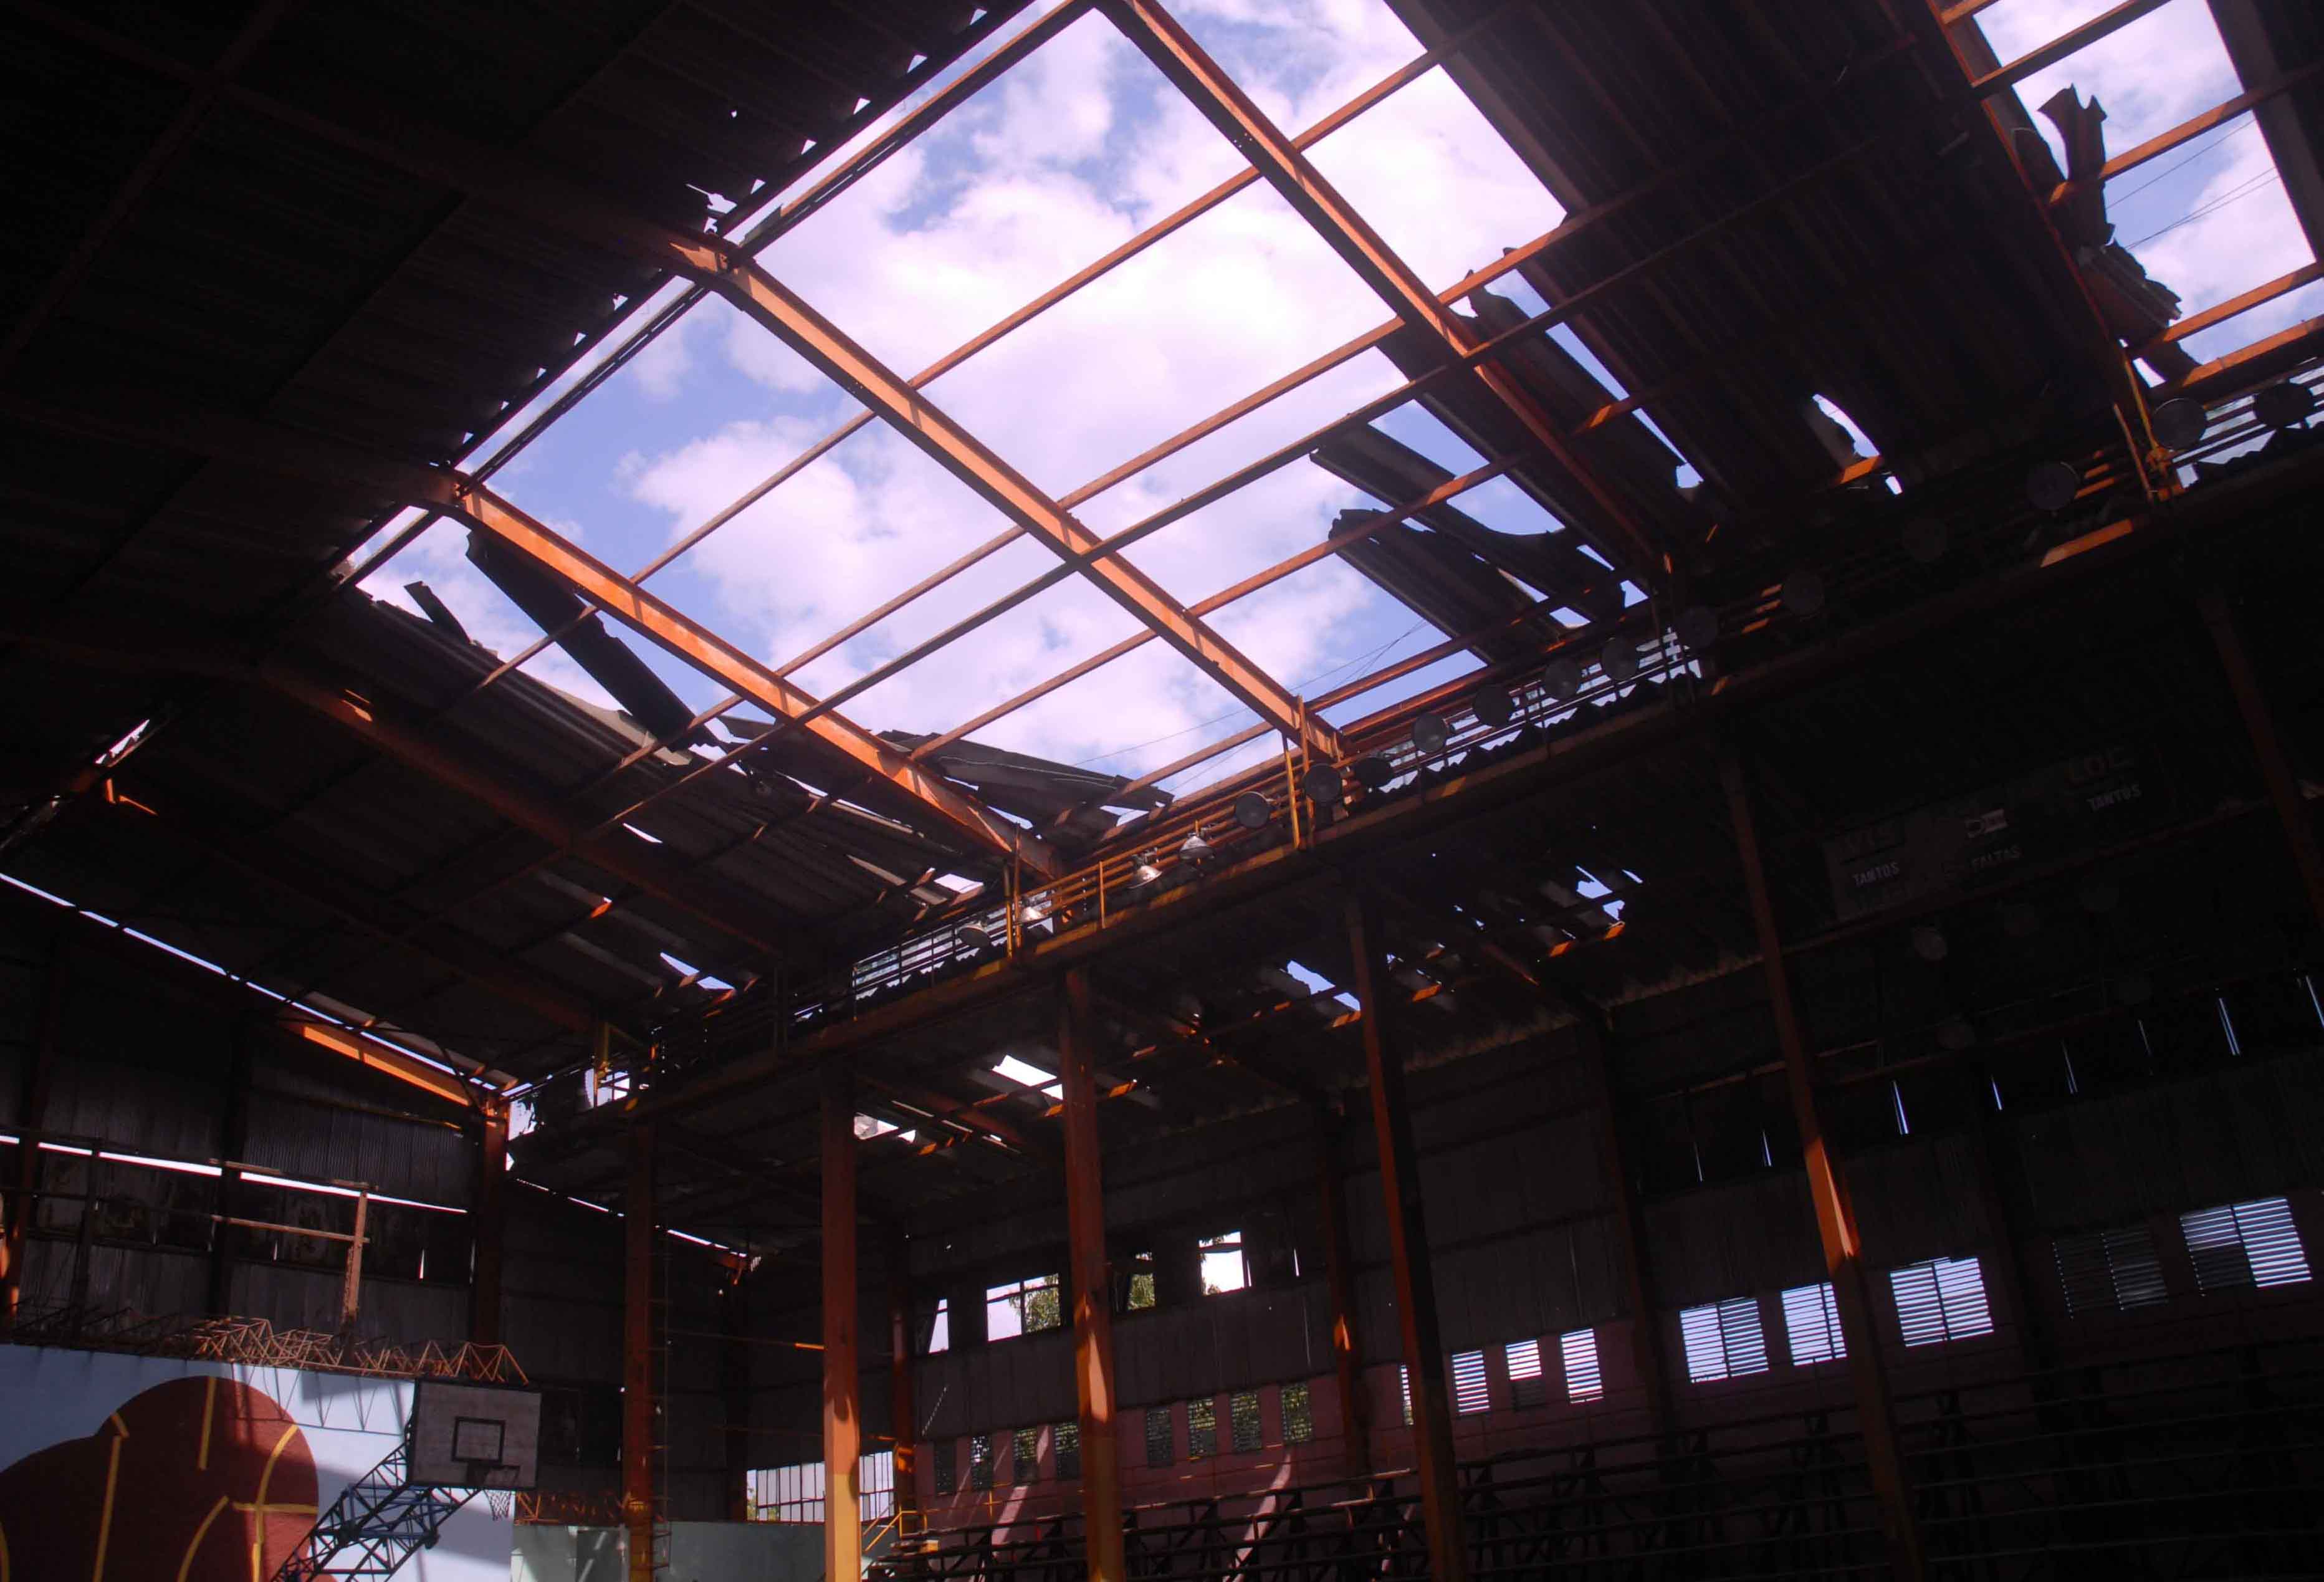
[(1298, 1417), (1811, 1325), (1224, 1265), (1023, 1307), (1723, 1340), (1202, 1430), (1579, 1349), (940, 1328), (2110, 1271), (1941, 1299), (1469, 1393), (1404, 1382), (1527, 1387), (947, 1465), (1024, 1456), (1242, 1419), (980, 1461), (1158, 1435), (2252, 1244), (1067, 1438)]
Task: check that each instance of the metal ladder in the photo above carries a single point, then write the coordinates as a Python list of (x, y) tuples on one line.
[(377, 1522)]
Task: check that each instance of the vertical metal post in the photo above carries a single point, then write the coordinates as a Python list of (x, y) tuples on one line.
[(735, 1378), (1408, 1240), (842, 1414), (2267, 746), (1092, 1287), (1347, 1356), (488, 1225), (637, 1352), (32, 1115), (1621, 1185), (1835, 1218), (351, 1283), (234, 1143), (903, 1422)]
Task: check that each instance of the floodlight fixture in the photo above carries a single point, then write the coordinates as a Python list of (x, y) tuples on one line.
[(1324, 785), (2179, 422), (1373, 771), (1925, 540), (1561, 678), (1494, 705), (1804, 593), (2052, 486), (1930, 943), (2284, 406), (1619, 659), (1429, 735), (1253, 810), (1697, 628)]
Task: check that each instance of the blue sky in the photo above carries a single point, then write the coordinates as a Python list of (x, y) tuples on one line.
[(1068, 155)]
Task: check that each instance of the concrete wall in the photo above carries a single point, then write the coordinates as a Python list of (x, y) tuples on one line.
[(129, 1452)]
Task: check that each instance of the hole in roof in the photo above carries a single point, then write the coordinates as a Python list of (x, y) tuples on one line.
[(1030, 1075)]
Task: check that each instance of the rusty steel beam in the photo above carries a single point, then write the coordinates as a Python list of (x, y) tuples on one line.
[(1288, 170), (380, 916), (662, 623), (2072, 41), (2275, 771), (639, 1495), (903, 1418), (1339, 1281), (488, 1224), (1093, 1285), (2244, 302), (133, 421), (32, 1115), (2194, 126), (1438, 1472), (1835, 1215), (765, 301), (843, 1401)]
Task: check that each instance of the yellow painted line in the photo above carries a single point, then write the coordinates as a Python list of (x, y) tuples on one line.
[(105, 1517), (186, 1565)]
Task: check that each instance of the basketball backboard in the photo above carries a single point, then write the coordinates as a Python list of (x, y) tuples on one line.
[(474, 1435)]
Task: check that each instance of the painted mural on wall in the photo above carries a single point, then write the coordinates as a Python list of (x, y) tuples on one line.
[(148, 1469), (190, 1479)]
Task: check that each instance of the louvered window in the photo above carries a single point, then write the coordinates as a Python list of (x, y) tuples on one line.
[(1811, 1325), (1403, 1382), (1298, 1418), (947, 1455), (2110, 1271), (1723, 1340), (1068, 1441), (1242, 1418), (2244, 1244), (1158, 1435), (1527, 1385), (1024, 1456), (1941, 1300), (1202, 1429), (1579, 1349), (980, 1461), (1470, 1394)]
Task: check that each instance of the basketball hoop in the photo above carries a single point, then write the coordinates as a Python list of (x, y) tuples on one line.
[(503, 1502)]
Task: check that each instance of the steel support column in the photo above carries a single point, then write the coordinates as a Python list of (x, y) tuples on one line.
[(1835, 1217), (488, 1225), (1594, 1046), (1408, 1243), (638, 1408), (1092, 1287), (843, 1407), (2267, 746), (1339, 1282), (903, 1423), (734, 1383), (32, 1113)]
